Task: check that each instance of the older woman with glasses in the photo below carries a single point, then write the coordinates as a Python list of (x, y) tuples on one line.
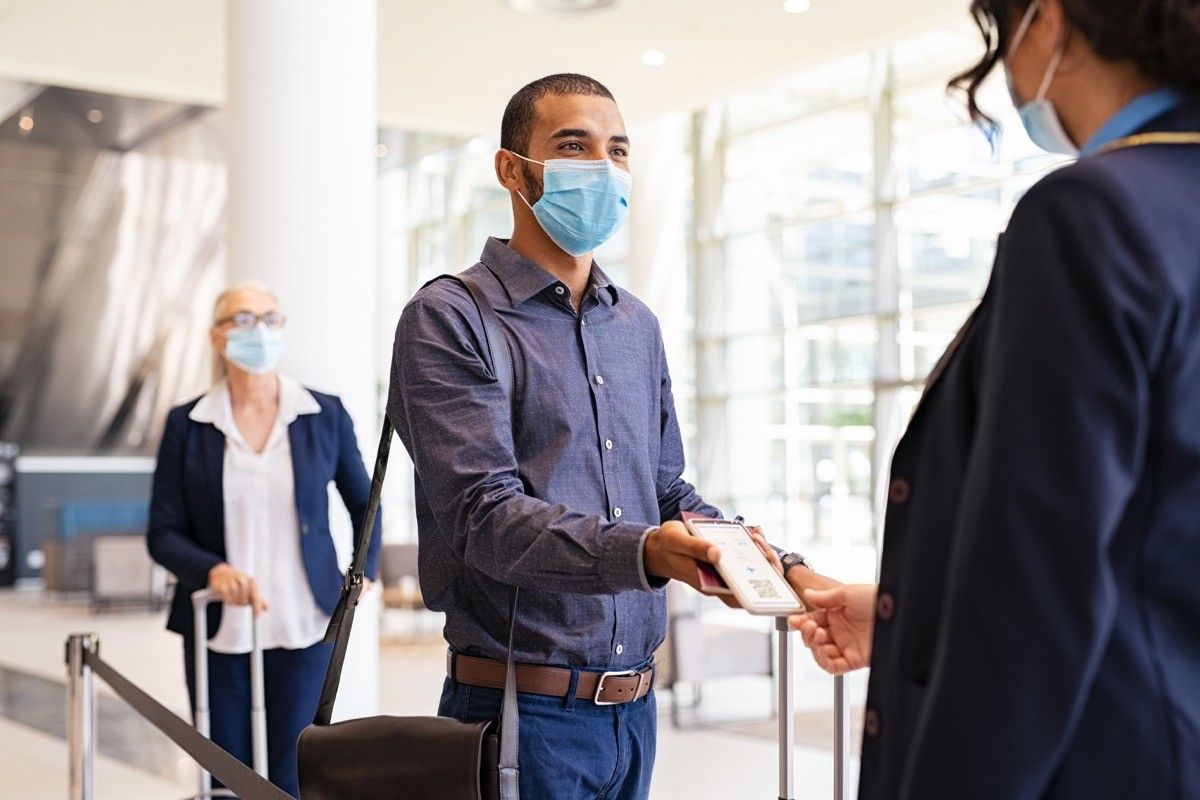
[(240, 505)]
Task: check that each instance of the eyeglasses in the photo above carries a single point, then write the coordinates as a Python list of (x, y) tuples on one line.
[(248, 319)]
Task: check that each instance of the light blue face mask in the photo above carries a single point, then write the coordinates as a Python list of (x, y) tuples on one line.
[(257, 349), (583, 203), (1039, 116)]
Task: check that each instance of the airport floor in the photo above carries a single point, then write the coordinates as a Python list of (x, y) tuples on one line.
[(728, 752)]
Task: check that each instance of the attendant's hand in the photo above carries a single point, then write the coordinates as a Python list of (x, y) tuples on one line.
[(672, 552), (235, 588), (838, 630)]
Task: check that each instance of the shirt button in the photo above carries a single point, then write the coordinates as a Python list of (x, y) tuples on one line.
[(608, 445), (871, 723), (304, 527), (899, 491), (583, 322), (620, 649), (616, 512), (559, 290), (885, 606), (600, 379)]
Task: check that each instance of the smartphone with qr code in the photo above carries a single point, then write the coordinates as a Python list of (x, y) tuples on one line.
[(754, 581)]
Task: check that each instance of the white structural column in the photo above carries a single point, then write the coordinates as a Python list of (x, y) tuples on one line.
[(302, 130), (658, 219)]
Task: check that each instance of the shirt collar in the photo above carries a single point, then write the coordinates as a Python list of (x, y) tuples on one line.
[(1137, 114), (216, 407), (522, 279)]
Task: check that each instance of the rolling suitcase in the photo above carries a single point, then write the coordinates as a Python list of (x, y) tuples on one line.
[(258, 714)]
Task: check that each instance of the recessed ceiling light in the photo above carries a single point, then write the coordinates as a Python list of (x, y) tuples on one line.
[(561, 6), (654, 58), (796, 6), (25, 123), (95, 116)]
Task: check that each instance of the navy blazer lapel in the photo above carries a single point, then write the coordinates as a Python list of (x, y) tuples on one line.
[(303, 443)]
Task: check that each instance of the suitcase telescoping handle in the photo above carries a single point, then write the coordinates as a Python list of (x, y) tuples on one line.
[(201, 599), (787, 726)]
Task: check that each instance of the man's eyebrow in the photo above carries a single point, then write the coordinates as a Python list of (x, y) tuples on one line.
[(619, 139), (571, 133)]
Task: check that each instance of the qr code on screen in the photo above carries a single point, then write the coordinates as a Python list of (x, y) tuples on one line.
[(764, 589)]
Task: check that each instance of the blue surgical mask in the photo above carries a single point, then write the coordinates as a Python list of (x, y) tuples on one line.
[(257, 349), (1039, 116), (583, 203)]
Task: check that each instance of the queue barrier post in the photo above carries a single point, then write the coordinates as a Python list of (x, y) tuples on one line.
[(81, 716), (787, 712)]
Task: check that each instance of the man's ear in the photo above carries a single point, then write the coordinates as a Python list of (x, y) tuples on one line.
[(508, 171)]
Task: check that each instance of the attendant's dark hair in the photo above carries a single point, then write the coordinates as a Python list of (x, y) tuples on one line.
[(521, 112), (1162, 37)]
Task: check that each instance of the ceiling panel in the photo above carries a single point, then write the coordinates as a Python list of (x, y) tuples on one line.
[(450, 65)]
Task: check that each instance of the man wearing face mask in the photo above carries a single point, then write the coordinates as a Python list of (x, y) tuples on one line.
[(240, 506), (570, 490), (1036, 628)]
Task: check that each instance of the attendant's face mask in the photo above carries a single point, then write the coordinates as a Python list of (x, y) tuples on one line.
[(1039, 116), (256, 349), (583, 203)]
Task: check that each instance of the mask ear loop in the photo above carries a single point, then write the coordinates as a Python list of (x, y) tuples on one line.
[(531, 161), (1055, 60), (1022, 29)]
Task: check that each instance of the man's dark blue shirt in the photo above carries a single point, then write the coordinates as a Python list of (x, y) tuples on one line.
[(554, 491)]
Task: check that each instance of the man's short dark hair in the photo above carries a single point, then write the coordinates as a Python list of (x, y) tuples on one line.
[(521, 112)]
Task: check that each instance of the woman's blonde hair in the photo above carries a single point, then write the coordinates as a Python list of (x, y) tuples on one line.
[(218, 363)]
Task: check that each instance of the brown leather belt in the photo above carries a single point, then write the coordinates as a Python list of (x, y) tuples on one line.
[(602, 688)]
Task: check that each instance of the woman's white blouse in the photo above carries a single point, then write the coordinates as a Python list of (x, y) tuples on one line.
[(262, 527)]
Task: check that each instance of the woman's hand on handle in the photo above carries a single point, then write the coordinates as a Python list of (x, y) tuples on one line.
[(838, 630), (235, 588)]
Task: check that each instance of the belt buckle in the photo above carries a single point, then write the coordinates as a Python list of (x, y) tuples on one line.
[(619, 673)]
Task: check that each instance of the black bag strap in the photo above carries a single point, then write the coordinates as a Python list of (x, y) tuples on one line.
[(501, 358)]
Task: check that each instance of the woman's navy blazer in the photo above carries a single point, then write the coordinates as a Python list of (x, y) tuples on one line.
[(187, 510), (1038, 622)]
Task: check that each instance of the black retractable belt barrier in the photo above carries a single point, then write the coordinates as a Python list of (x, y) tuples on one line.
[(243, 781)]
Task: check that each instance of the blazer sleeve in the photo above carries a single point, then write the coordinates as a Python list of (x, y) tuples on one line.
[(169, 536), (1080, 316), (354, 485)]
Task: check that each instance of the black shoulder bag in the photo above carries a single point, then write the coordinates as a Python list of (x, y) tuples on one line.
[(410, 758)]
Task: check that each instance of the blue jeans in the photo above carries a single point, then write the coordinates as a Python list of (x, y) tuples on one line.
[(570, 749), (292, 686)]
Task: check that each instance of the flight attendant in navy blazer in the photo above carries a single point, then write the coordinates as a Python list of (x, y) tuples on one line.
[(240, 505), (1036, 628)]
